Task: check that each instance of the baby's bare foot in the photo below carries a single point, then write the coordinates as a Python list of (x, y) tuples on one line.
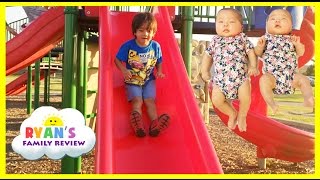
[(242, 123), (309, 102), (232, 122)]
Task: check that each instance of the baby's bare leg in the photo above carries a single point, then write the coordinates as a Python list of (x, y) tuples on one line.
[(219, 101), (245, 100), (267, 83), (302, 82)]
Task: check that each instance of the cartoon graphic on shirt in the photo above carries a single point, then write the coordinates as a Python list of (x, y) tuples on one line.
[(142, 65)]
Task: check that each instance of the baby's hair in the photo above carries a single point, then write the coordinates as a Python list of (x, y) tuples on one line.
[(283, 10), (142, 18), (236, 12)]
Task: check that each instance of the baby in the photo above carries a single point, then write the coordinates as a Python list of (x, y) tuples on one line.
[(279, 52), (234, 61)]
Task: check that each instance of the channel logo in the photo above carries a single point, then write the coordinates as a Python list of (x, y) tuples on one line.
[(54, 133)]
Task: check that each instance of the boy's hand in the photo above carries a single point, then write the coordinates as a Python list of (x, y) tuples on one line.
[(160, 75), (253, 71), (126, 74)]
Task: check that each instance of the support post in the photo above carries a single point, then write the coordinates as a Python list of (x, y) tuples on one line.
[(186, 36), (70, 165)]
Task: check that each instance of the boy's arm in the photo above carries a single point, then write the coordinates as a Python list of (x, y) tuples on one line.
[(126, 73), (159, 70), (206, 64)]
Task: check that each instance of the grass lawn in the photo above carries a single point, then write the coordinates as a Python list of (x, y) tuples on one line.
[(291, 108), (55, 82)]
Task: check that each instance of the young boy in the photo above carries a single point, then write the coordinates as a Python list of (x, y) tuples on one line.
[(141, 55)]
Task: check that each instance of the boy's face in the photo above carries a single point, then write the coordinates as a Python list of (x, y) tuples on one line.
[(279, 22), (144, 36), (228, 24)]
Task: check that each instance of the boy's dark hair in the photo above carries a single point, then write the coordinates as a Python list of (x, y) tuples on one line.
[(141, 18)]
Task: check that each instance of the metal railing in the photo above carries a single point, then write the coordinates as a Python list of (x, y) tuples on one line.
[(201, 13), (131, 8), (209, 13), (16, 25)]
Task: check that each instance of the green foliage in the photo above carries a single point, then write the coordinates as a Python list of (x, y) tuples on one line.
[(310, 70)]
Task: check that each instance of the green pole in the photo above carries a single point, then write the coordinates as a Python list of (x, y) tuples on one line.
[(37, 85), (85, 74), (29, 90), (45, 91), (186, 36), (70, 165), (80, 81), (49, 74)]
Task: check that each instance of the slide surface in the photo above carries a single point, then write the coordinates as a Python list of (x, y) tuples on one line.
[(35, 41), (274, 139), (19, 85), (185, 147)]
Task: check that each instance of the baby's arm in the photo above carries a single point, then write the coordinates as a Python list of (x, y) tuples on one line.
[(298, 45), (258, 49), (206, 64), (253, 65)]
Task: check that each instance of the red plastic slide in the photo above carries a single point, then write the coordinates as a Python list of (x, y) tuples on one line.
[(274, 139), (19, 85), (35, 41), (185, 147)]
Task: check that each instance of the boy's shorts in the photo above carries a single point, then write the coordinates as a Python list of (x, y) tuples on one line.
[(148, 90)]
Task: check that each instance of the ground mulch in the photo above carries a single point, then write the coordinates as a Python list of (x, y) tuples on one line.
[(236, 155)]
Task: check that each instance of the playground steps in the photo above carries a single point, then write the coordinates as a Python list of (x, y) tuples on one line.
[(92, 59)]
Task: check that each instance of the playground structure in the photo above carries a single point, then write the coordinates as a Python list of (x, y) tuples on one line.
[(187, 141)]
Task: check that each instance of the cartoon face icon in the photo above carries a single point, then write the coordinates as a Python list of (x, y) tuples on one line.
[(53, 121)]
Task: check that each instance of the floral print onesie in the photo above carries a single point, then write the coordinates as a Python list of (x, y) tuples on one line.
[(230, 61), (280, 59)]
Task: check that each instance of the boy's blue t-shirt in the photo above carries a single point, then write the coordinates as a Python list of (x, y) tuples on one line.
[(140, 60)]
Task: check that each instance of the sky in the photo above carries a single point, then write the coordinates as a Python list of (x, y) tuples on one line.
[(14, 13)]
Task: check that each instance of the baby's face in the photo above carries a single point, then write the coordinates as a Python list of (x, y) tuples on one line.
[(279, 22), (228, 24)]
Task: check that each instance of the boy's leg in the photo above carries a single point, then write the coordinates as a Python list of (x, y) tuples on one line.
[(219, 101), (137, 124), (157, 124), (302, 82), (244, 100), (151, 108), (267, 83), (149, 96), (135, 98)]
